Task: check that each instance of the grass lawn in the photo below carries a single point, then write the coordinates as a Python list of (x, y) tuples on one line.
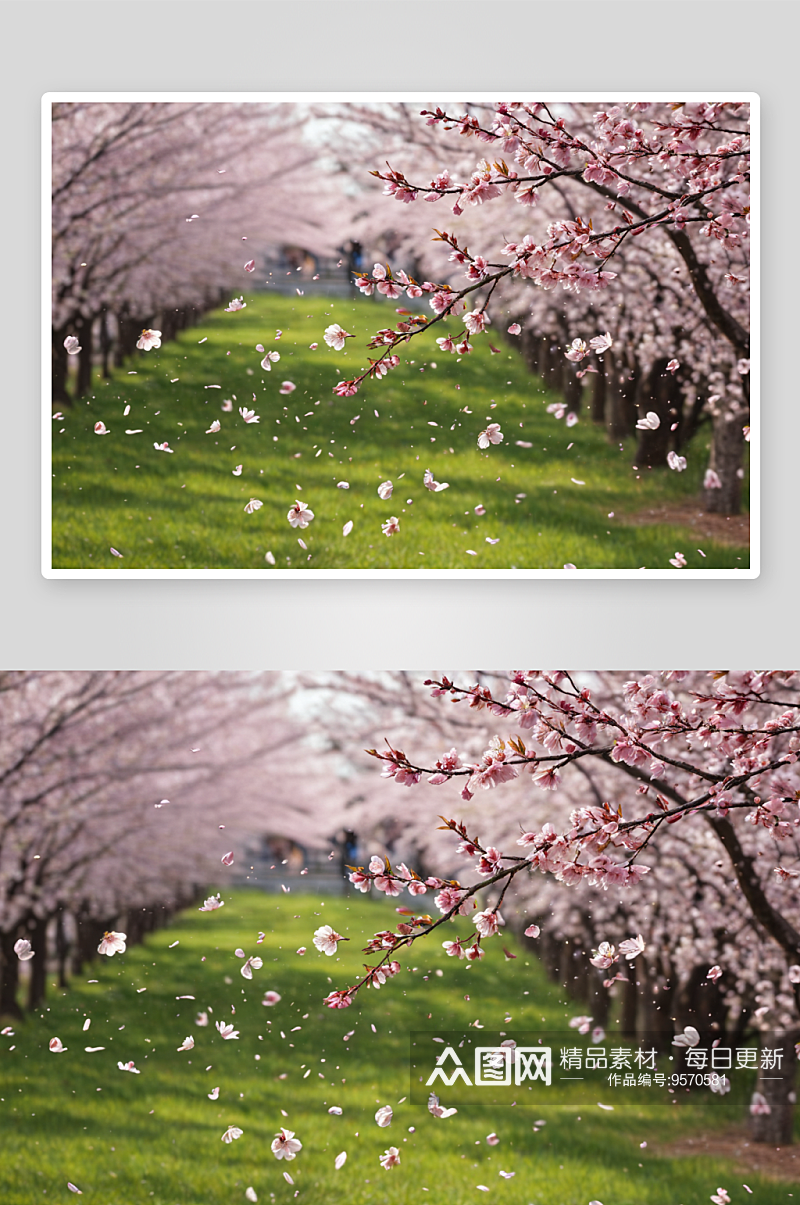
[(154, 1138), (185, 509)]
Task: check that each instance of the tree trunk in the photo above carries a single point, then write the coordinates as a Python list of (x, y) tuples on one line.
[(629, 1003), (37, 984), (776, 1086), (9, 976), (620, 391), (727, 446), (106, 343), (656, 393), (599, 1001), (573, 391), (62, 948), (60, 362), (599, 396), (85, 338)]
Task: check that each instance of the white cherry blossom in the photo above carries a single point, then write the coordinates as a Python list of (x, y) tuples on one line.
[(284, 1145), (335, 336), (112, 943), (326, 939), (148, 340)]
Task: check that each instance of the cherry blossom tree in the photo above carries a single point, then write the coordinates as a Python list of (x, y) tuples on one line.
[(698, 852), (157, 208), (631, 220), (110, 801)]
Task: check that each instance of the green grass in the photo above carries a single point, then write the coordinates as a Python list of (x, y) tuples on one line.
[(186, 510), (155, 1138)]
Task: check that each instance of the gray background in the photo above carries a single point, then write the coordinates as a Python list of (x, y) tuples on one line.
[(383, 45)]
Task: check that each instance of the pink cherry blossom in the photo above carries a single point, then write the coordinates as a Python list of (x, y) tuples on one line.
[(227, 859), (72, 345), (338, 999), (211, 904), (187, 1043), (232, 1133), (101, 429), (435, 1108), (253, 505), (604, 955), (492, 1139), (391, 526), (385, 490), (480, 509), (678, 560), (285, 1145), (271, 998), (714, 974), (213, 1094), (249, 416), (434, 486), (720, 1197), (215, 426), (270, 358), (689, 1037), (23, 949), (237, 472), (300, 515), (250, 266), (129, 1067), (227, 1031), (650, 422), (711, 481), (227, 405), (201, 1019), (148, 340), (676, 462), (390, 1158), (57, 1046), (632, 947), (335, 336), (384, 1116), (287, 387), (487, 922), (237, 303), (326, 939), (250, 965), (163, 447), (112, 943), (673, 366), (601, 343), (532, 931), (515, 329), (492, 435), (576, 350)]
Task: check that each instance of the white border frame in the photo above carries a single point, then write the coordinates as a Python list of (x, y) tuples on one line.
[(271, 574)]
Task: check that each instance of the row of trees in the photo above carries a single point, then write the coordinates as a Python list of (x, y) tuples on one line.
[(114, 789), (573, 221), (663, 805), (155, 209)]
